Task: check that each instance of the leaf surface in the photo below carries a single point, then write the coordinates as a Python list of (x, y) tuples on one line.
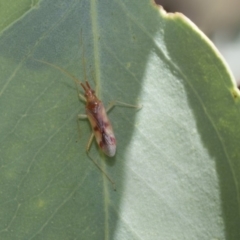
[(177, 164)]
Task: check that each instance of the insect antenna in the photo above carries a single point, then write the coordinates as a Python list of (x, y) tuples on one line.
[(96, 85), (83, 58), (76, 80), (84, 67)]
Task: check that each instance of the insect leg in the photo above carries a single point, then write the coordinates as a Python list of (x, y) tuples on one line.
[(122, 104), (80, 96), (89, 142), (95, 162), (76, 81), (80, 117)]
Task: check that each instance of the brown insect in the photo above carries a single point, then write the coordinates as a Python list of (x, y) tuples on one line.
[(97, 116)]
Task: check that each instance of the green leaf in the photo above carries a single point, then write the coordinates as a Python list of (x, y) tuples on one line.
[(177, 164)]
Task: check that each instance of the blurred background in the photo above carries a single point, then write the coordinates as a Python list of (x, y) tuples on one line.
[(219, 20)]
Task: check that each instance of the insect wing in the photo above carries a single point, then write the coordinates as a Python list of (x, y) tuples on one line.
[(102, 129)]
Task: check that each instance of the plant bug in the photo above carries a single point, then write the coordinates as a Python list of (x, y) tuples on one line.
[(97, 115)]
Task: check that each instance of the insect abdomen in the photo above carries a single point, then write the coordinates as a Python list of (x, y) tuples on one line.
[(108, 144)]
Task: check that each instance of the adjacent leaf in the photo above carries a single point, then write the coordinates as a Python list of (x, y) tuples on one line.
[(177, 162)]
